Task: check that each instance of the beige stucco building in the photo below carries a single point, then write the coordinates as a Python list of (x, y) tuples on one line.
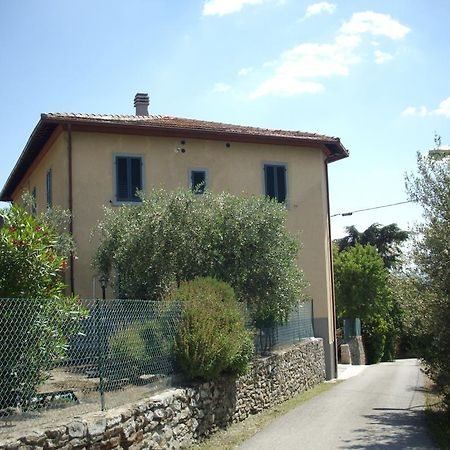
[(84, 162)]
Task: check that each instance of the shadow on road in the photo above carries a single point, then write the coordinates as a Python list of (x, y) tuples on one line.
[(392, 429)]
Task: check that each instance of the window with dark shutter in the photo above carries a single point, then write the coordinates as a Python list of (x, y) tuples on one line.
[(49, 188), (198, 181), (33, 201), (128, 178), (275, 181)]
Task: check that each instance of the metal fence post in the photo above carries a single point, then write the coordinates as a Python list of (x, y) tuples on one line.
[(100, 325)]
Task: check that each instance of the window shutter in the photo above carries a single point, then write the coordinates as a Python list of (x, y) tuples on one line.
[(122, 192), (135, 178), (49, 188), (281, 183), (269, 177)]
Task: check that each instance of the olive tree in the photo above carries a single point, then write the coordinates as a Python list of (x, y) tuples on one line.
[(430, 187), (177, 236)]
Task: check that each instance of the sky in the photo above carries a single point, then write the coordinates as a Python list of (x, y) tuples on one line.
[(374, 73)]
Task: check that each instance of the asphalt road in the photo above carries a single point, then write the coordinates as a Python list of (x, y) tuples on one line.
[(381, 408)]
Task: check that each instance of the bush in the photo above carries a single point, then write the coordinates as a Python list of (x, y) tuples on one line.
[(36, 317), (139, 348), (374, 331), (212, 338)]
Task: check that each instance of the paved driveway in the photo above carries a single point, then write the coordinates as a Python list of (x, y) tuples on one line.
[(381, 408)]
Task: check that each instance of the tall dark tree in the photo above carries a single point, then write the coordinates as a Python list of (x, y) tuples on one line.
[(387, 240)]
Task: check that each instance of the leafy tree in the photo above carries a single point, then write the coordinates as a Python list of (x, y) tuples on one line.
[(35, 315), (387, 240), (361, 283), (176, 236), (431, 189)]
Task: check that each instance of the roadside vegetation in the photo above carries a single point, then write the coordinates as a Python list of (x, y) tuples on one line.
[(33, 304), (364, 267)]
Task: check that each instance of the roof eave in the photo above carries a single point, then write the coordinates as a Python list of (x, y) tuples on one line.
[(37, 139)]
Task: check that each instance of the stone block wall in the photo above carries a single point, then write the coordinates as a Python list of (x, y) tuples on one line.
[(358, 355), (178, 417)]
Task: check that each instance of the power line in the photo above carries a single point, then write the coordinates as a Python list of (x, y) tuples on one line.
[(369, 209)]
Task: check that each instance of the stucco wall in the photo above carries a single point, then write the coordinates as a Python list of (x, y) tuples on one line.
[(56, 159), (178, 417)]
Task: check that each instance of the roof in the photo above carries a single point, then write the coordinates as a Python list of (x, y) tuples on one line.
[(161, 126)]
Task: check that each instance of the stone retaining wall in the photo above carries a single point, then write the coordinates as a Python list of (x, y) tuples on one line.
[(178, 417)]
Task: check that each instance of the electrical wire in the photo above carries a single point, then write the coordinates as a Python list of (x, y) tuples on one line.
[(369, 209)]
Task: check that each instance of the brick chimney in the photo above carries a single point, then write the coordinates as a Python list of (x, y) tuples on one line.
[(141, 102)]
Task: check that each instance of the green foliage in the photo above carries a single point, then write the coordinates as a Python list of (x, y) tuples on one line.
[(431, 189), (138, 346), (35, 316), (177, 236), (212, 338), (362, 291), (387, 240)]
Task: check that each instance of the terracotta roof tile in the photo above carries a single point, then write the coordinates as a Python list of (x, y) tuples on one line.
[(155, 121)]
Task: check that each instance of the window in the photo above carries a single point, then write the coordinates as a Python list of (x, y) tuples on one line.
[(33, 201), (275, 181), (198, 180), (49, 188), (128, 178)]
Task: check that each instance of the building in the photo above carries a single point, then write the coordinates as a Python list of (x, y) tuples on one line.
[(83, 162)]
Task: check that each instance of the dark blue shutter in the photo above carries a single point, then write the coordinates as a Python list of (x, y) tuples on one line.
[(135, 177), (49, 188), (269, 177), (281, 183), (33, 199), (122, 192)]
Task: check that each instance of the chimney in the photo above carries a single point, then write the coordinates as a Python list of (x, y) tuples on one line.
[(141, 102)]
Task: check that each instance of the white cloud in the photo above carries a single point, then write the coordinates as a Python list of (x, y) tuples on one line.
[(444, 108), (376, 24), (382, 57), (298, 69), (245, 71), (422, 111), (298, 65), (223, 7), (318, 8), (221, 87), (285, 86)]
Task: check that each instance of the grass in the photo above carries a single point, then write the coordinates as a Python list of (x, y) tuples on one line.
[(237, 433), (438, 419)]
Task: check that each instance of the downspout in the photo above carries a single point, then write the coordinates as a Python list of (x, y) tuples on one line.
[(69, 152), (333, 298)]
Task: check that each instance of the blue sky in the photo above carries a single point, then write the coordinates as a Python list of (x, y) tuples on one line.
[(374, 73)]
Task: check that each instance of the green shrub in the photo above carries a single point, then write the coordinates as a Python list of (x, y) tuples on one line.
[(212, 338), (374, 330), (140, 348)]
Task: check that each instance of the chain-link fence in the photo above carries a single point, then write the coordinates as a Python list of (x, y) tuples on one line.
[(118, 351), (299, 326)]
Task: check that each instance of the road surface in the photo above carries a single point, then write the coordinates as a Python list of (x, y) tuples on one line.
[(381, 408)]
